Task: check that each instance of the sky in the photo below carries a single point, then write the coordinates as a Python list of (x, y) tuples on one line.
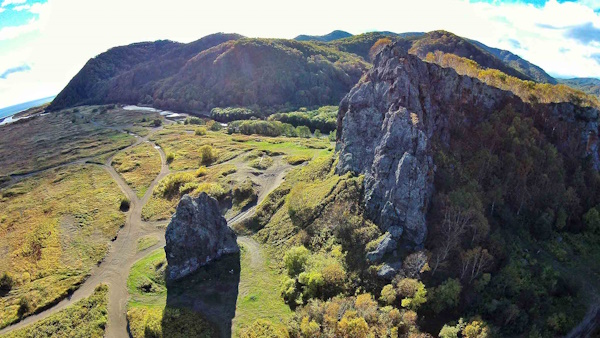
[(44, 43)]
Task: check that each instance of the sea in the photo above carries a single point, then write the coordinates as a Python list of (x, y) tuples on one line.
[(12, 110)]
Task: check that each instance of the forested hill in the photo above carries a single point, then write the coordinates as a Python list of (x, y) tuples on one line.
[(223, 70), (335, 35), (216, 71)]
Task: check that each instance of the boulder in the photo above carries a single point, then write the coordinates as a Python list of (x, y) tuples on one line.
[(387, 245), (196, 235), (388, 271)]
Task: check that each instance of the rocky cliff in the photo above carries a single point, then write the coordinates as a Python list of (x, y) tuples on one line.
[(390, 121), (196, 235)]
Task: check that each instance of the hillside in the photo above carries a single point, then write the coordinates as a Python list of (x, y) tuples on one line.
[(222, 70), (534, 72), (335, 35), (499, 192), (216, 71), (447, 42), (589, 86)]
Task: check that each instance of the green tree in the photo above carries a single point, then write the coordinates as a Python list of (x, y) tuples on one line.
[(303, 131), (295, 260), (413, 293), (332, 136), (475, 329), (445, 296), (388, 295), (591, 219)]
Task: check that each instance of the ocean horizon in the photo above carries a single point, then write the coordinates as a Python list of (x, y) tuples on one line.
[(12, 110)]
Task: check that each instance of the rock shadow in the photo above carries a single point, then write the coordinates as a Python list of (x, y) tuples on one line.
[(211, 292)]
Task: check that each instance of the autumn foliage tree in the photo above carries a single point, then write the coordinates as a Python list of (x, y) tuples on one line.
[(378, 46)]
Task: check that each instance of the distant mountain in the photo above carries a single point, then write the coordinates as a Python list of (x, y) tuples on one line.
[(587, 85), (223, 70), (335, 35), (128, 74), (361, 44), (219, 70), (521, 65)]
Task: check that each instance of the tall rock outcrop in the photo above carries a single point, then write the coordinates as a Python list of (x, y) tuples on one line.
[(389, 121), (197, 235)]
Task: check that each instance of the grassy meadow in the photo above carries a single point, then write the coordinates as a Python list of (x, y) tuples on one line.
[(45, 141), (85, 319), (138, 166), (236, 157), (54, 227)]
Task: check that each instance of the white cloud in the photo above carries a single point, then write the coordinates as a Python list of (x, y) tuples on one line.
[(12, 32), (69, 32), (21, 8), (2, 9), (12, 2)]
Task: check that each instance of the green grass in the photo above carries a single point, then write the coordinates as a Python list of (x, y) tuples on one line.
[(147, 310), (138, 130), (86, 318), (259, 292), (53, 228), (146, 242), (262, 163), (177, 140), (138, 166), (185, 146)]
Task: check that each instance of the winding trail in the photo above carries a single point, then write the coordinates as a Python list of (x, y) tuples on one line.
[(114, 269)]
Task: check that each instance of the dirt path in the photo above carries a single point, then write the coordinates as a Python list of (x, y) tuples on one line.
[(266, 181), (114, 269)]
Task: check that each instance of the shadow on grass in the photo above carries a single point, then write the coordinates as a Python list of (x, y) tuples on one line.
[(211, 292)]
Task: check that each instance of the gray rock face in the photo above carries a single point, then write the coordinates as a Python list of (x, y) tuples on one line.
[(387, 245), (387, 123), (389, 270), (197, 235)]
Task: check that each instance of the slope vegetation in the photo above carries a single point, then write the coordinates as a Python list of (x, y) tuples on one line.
[(219, 70)]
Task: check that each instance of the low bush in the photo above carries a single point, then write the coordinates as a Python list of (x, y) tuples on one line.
[(200, 131), (297, 159), (262, 163), (170, 157), (6, 283), (170, 185), (243, 191), (24, 306), (202, 171), (208, 155), (193, 120)]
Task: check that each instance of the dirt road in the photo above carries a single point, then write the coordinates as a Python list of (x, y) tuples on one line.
[(114, 269)]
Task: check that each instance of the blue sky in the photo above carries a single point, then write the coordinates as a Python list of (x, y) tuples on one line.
[(44, 43)]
